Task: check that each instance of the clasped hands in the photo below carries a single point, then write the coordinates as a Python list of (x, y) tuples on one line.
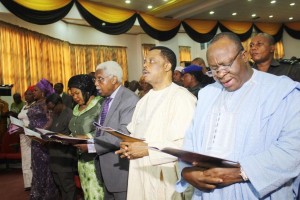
[(133, 150), (208, 179)]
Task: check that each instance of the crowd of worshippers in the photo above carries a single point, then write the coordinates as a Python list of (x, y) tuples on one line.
[(229, 109)]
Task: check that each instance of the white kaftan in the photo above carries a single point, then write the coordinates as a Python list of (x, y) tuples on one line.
[(161, 117)]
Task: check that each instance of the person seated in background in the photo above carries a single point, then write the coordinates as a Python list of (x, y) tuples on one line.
[(178, 75), (192, 77), (249, 117), (67, 99), (144, 87), (3, 118), (16, 106), (134, 86), (63, 157), (262, 48), (207, 78)]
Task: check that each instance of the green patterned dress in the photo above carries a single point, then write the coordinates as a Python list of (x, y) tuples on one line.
[(82, 124)]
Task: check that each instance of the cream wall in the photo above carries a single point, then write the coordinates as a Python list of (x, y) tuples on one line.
[(86, 35)]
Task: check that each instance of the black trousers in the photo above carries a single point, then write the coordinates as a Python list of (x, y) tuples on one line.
[(66, 185)]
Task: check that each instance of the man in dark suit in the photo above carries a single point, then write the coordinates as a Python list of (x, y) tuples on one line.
[(120, 103), (67, 99)]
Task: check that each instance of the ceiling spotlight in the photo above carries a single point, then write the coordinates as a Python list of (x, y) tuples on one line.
[(292, 4), (234, 13), (291, 18), (271, 16), (165, 0), (272, 2), (128, 1), (211, 12), (253, 15), (149, 6)]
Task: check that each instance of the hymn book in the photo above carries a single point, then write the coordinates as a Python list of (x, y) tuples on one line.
[(122, 136), (202, 160)]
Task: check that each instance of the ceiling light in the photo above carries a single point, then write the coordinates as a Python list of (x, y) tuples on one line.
[(165, 0), (271, 16), (253, 15), (234, 13), (211, 12), (292, 4), (272, 2), (128, 1), (291, 18), (150, 7)]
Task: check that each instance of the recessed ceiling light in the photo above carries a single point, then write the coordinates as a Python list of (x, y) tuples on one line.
[(253, 15), (273, 2), (211, 12), (291, 18), (271, 16), (149, 6), (128, 1), (234, 13), (292, 4), (165, 0)]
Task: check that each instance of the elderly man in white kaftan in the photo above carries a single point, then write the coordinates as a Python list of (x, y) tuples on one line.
[(250, 117), (161, 117)]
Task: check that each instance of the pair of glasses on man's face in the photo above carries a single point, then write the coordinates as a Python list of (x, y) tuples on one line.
[(100, 79), (225, 68)]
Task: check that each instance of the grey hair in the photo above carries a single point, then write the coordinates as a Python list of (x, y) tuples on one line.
[(269, 37), (111, 68)]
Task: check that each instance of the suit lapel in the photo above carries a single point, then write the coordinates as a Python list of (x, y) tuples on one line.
[(114, 105)]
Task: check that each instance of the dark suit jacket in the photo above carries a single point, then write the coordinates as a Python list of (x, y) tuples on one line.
[(113, 169), (67, 100)]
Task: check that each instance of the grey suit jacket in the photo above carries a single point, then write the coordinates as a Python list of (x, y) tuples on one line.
[(113, 169)]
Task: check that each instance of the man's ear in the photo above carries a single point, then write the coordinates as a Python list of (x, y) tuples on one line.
[(245, 56), (114, 80), (168, 67)]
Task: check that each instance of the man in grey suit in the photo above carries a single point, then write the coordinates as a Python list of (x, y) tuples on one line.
[(119, 105)]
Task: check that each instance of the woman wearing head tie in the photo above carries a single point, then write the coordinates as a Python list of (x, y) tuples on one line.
[(43, 186), (84, 93)]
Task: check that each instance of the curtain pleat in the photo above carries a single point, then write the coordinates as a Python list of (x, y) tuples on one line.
[(37, 16), (184, 53), (44, 5), (243, 30), (192, 32), (276, 30), (157, 34), (105, 26)]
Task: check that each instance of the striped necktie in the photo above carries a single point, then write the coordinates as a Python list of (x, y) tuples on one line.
[(105, 109)]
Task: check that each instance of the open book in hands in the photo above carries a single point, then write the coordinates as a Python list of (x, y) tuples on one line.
[(122, 136), (50, 136), (201, 160)]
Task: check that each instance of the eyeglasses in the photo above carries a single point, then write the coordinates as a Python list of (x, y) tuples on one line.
[(100, 79), (216, 69)]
